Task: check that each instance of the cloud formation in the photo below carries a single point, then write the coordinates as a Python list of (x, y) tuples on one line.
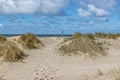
[(92, 10), (97, 11), (83, 13), (32, 6), (105, 4), (89, 23), (104, 19), (1, 25)]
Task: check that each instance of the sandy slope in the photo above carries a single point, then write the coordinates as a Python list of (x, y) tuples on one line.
[(45, 64)]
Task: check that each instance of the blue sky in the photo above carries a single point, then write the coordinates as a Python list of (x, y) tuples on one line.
[(52, 16)]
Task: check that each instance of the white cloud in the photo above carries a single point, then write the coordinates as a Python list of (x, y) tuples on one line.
[(97, 11), (90, 23), (104, 19), (82, 3), (1, 25), (105, 4), (83, 13), (93, 10), (32, 6)]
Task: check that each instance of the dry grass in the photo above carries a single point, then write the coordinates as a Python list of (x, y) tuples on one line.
[(2, 39), (82, 43), (77, 35), (107, 36), (97, 35), (30, 41), (112, 74), (9, 52), (86, 43)]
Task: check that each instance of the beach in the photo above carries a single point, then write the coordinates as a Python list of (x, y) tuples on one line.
[(46, 64)]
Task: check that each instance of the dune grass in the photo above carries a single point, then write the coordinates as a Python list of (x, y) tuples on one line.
[(30, 41), (107, 35), (86, 43), (10, 52), (2, 39), (77, 35)]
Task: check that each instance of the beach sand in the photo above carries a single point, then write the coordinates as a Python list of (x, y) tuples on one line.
[(46, 64)]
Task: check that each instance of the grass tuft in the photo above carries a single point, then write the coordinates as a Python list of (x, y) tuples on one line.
[(30, 41), (9, 52), (82, 43), (2, 39), (107, 35), (77, 35)]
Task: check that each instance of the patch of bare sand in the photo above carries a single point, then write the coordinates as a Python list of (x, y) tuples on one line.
[(45, 64)]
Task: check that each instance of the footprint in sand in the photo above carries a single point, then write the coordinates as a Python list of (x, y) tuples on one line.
[(46, 74)]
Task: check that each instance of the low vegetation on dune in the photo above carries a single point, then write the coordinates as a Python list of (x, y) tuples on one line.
[(83, 43), (9, 52), (97, 35), (107, 35), (77, 35), (2, 39), (30, 41)]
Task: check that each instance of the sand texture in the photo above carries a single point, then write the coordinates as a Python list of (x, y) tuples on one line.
[(46, 64)]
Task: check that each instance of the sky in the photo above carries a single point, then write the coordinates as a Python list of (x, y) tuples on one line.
[(53, 16)]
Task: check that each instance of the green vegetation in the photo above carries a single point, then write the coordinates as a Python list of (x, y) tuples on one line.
[(30, 41), (9, 52)]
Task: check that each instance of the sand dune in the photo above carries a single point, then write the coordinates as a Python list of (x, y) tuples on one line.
[(46, 64)]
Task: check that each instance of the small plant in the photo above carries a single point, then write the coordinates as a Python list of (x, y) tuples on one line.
[(9, 52), (100, 73), (30, 41), (107, 35), (2, 39), (14, 39), (83, 44), (90, 36), (76, 35)]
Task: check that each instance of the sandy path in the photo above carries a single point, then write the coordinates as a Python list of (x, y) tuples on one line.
[(45, 64)]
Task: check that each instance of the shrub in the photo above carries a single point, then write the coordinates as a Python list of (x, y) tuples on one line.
[(2, 39), (9, 52), (30, 41)]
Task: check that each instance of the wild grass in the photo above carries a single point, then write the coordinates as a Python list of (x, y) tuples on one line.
[(2, 39), (30, 41), (10, 53), (77, 35), (107, 35), (83, 44), (87, 43), (112, 74), (100, 73)]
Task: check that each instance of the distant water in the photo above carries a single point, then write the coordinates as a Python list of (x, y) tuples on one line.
[(40, 35)]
